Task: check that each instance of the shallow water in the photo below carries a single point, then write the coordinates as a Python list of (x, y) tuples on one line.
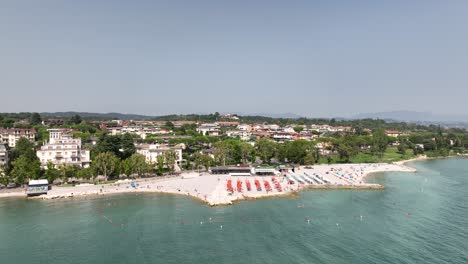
[(419, 218)]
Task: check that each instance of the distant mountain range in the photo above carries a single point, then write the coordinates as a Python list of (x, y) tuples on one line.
[(413, 116), (119, 116), (142, 117), (403, 116), (282, 115)]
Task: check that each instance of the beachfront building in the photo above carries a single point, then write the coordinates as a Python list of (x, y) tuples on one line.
[(12, 135), (232, 170), (3, 154), (152, 151), (62, 149), (211, 129)]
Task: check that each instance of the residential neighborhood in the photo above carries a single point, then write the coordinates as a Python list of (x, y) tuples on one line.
[(113, 147)]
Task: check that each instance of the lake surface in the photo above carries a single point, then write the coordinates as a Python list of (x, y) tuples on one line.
[(419, 218)]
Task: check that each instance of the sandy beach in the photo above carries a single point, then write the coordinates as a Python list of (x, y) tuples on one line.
[(213, 189)]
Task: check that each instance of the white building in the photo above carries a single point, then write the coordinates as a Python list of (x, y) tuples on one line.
[(281, 137), (212, 129), (272, 127), (138, 130), (241, 134), (152, 151), (12, 135), (3, 154), (63, 149), (289, 130), (244, 127)]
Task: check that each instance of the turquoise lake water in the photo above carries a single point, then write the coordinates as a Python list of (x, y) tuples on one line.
[(419, 218)]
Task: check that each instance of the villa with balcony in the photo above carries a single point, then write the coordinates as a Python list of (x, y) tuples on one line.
[(62, 150)]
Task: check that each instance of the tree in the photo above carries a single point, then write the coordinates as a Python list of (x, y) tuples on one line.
[(69, 171), (379, 142), (246, 152), (297, 150), (128, 146), (125, 167), (160, 164), (402, 148), (35, 119), (221, 153), (203, 160), (309, 159), (138, 165), (85, 173), (106, 163), (108, 143), (298, 129), (266, 149), (170, 158), (347, 148), (24, 168), (24, 147), (170, 125), (418, 150), (206, 161), (24, 162), (76, 119), (316, 155), (197, 160), (51, 173)]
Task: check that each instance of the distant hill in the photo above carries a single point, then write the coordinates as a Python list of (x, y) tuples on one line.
[(413, 116), (97, 115), (400, 116), (142, 117), (281, 115)]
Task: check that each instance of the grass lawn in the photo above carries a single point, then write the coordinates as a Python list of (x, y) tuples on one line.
[(390, 155)]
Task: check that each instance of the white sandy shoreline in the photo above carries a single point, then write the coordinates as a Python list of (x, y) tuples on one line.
[(212, 189)]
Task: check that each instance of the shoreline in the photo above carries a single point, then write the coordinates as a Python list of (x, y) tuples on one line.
[(211, 189)]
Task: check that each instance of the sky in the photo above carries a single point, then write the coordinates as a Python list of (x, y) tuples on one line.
[(312, 58)]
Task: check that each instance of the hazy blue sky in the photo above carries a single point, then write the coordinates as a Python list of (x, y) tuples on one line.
[(314, 58)]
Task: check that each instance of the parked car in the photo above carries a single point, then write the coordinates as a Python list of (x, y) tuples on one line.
[(11, 185), (2, 186)]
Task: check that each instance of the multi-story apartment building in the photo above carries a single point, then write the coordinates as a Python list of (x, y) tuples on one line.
[(152, 151), (138, 130), (12, 135), (209, 129), (3, 155), (63, 149), (243, 135)]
